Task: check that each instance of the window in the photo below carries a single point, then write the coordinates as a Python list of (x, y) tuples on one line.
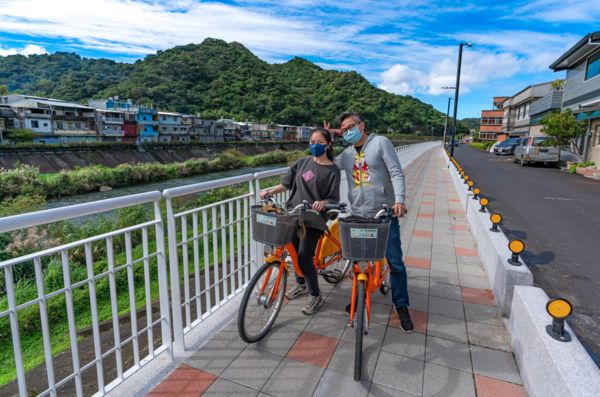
[(35, 124), (59, 125), (593, 66), (45, 124)]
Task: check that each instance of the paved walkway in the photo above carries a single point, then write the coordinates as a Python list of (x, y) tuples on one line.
[(460, 346)]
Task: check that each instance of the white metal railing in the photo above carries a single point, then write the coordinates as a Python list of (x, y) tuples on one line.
[(221, 227), (70, 288), (211, 258)]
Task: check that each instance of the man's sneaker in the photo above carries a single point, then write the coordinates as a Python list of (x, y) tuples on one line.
[(312, 304), (296, 291), (405, 321)]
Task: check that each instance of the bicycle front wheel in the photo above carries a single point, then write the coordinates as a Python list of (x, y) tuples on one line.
[(359, 324), (262, 302)]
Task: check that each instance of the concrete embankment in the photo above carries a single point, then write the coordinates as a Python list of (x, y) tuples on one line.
[(56, 159)]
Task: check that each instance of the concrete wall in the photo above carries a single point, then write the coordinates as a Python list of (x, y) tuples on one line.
[(578, 90)]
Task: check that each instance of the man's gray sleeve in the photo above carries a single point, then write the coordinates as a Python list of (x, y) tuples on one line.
[(394, 168)]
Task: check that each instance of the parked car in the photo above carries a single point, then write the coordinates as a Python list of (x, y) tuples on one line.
[(507, 147), (539, 149)]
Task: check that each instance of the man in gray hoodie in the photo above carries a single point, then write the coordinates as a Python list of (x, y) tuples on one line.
[(375, 178)]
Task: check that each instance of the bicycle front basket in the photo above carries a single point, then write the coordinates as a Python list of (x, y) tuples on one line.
[(271, 228), (363, 241)]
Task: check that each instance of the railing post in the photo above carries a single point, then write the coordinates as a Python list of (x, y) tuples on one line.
[(174, 273), (254, 186), (163, 284)]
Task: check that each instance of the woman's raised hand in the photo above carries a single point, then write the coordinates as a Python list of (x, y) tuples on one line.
[(319, 205)]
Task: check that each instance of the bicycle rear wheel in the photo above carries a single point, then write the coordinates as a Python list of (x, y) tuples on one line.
[(262, 302), (359, 324)]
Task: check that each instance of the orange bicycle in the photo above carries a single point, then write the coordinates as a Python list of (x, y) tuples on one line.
[(364, 243), (264, 295)]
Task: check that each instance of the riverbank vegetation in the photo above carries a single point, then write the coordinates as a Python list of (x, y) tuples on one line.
[(25, 180)]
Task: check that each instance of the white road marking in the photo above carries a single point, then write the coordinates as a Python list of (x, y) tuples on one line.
[(562, 199)]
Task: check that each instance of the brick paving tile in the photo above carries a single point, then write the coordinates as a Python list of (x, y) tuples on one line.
[(489, 387), (426, 202), (478, 296), (455, 212), (462, 251), (184, 381), (425, 215), (419, 319), (417, 262), (457, 227), (313, 349), (454, 200), (422, 233)]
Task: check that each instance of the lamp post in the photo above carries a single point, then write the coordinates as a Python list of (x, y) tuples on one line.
[(460, 50), (447, 113)]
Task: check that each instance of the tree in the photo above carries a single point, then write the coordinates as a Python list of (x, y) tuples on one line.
[(563, 127), (21, 135), (558, 85), (3, 90)]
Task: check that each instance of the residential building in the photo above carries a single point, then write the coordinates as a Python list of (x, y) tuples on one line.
[(490, 126), (541, 107), (130, 128), (109, 124), (581, 92), (171, 129), (303, 133), (7, 119), (515, 121), (112, 103), (147, 124), (290, 132), (55, 121), (198, 129)]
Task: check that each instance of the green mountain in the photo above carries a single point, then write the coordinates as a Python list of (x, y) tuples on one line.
[(472, 123), (219, 79)]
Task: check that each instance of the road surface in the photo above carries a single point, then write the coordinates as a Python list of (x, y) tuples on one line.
[(557, 215)]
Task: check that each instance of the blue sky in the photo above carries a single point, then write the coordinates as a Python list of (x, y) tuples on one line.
[(405, 47)]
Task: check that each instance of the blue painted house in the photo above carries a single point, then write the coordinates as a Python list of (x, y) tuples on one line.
[(147, 121)]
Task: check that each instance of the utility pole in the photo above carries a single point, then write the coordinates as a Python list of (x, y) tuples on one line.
[(446, 120), (460, 50)]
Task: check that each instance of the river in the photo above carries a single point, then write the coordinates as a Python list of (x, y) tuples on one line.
[(126, 190)]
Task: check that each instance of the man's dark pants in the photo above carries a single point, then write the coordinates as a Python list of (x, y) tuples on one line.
[(398, 277)]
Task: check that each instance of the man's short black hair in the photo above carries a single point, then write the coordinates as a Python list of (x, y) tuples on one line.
[(355, 115)]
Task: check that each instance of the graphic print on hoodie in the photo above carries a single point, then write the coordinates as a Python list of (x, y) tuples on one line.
[(360, 170)]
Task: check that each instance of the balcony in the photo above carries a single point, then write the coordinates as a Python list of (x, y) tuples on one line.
[(72, 117), (112, 120), (65, 132), (108, 132)]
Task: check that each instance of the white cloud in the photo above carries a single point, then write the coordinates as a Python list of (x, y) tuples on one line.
[(560, 11), (29, 49), (477, 68)]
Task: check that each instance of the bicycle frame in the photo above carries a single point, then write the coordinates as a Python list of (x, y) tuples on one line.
[(319, 262), (373, 276)]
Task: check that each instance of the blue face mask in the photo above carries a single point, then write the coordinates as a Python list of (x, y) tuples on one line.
[(317, 149), (353, 135)]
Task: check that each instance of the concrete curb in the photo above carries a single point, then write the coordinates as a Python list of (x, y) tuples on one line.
[(492, 248), (548, 367)]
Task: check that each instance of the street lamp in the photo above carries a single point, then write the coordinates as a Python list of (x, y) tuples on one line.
[(460, 50)]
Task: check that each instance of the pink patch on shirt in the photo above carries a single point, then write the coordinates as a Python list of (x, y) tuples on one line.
[(308, 175)]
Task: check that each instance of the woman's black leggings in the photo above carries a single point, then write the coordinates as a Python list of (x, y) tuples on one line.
[(306, 252)]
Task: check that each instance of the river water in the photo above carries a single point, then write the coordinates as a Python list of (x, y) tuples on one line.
[(147, 187)]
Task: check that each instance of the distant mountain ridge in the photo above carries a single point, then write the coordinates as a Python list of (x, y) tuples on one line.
[(219, 79)]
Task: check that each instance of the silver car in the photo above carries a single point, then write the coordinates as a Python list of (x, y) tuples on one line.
[(539, 149)]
